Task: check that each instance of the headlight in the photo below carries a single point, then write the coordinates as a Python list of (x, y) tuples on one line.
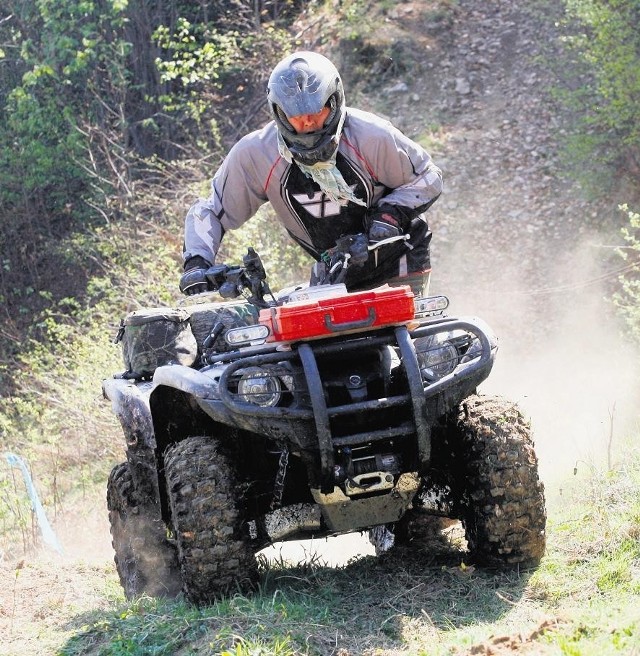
[(244, 335), (259, 387), (430, 306), (436, 356)]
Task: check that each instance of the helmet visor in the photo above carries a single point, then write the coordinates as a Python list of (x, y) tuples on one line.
[(312, 137)]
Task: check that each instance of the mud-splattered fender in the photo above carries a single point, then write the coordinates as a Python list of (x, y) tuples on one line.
[(130, 403), (130, 399), (145, 424), (200, 384)]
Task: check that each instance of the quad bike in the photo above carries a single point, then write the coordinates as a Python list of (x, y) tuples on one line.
[(310, 413)]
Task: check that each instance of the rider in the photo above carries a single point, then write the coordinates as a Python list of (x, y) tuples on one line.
[(328, 170)]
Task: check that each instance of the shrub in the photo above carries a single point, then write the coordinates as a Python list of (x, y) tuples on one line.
[(628, 297), (606, 39)]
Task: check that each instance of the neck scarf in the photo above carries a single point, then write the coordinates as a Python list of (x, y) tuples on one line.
[(325, 174)]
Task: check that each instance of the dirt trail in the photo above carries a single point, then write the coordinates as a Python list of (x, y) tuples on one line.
[(514, 243), (44, 596)]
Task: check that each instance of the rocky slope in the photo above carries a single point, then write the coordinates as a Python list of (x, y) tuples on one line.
[(487, 80)]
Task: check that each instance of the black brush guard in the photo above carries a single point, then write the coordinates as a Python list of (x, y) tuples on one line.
[(426, 401)]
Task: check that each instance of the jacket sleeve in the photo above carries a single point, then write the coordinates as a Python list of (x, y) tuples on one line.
[(237, 192), (407, 170)]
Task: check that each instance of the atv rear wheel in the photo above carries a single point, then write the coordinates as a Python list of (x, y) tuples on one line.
[(145, 560), (205, 499), (503, 499)]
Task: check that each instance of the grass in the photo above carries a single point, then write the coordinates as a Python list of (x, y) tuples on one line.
[(583, 599), (297, 610)]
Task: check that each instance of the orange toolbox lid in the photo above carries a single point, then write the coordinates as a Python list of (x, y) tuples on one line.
[(340, 313)]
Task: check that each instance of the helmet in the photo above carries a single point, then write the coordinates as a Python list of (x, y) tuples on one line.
[(303, 83)]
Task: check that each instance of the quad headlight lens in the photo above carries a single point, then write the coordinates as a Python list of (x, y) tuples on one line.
[(259, 387), (436, 356), (244, 335)]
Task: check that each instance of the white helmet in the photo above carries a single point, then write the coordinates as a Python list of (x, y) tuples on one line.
[(304, 83)]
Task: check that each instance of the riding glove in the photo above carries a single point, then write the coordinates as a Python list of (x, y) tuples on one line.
[(385, 222), (194, 279)]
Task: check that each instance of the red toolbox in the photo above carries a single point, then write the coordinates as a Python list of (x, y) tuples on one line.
[(339, 313)]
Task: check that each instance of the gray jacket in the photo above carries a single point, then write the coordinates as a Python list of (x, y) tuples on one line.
[(377, 161)]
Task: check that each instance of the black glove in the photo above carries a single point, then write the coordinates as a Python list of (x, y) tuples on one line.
[(384, 222), (358, 250), (194, 279)]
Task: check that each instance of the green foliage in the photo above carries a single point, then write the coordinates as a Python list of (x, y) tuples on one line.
[(607, 43), (64, 61), (90, 93), (38, 156), (79, 104), (627, 298), (196, 56), (63, 64), (210, 74)]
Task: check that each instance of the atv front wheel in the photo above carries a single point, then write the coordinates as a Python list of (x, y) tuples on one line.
[(145, 560), (503, 499), (205, 500)]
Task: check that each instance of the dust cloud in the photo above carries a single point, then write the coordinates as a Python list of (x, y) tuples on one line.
[(562, 356), (82, 527)]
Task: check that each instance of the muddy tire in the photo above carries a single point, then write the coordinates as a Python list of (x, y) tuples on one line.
[(503, 507), (214, 551), (145, 560)]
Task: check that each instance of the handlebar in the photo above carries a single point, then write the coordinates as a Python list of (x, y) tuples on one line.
[(249, 280), (350, 250)]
